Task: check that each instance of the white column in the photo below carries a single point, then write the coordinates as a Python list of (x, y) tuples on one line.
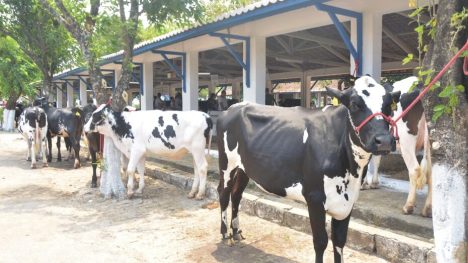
[(59, 98), (69, 95), (256, 91), (147, 97), (372, 45), (190, 96), (83, 95), (353, 36), (236, 90)]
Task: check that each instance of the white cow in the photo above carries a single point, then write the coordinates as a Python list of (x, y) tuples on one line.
[(414, 136), (33, 126), (165, 133)]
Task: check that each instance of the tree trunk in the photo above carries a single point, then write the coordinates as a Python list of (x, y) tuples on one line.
[(449, 135), (129, 29), (46, 84), (111, 185)]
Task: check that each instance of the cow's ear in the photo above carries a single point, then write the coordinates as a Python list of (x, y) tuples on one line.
[(335, 93), (388, 87), (396, 96)]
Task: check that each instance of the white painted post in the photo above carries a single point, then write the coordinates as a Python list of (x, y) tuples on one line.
[(256, 91), (190, 97), (83, 95), (372, 45), (69, 95), (147, 97), (236, 90), (353, 36), (59, 98)]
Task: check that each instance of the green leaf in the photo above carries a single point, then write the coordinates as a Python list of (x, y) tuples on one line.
[(439, 107), (437, 115), (446, 92), (460, 88), (407, 59)]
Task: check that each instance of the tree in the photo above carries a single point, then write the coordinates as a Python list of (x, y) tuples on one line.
[(17, 73), (38, 35), (448, 131)]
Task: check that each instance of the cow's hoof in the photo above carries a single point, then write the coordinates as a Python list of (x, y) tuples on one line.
[(191, 195), (408, 209), (365, 186), (45, 165), (200, 197), (77, 165), (238, 236), (49, 160), (130, 194), (374, 186), (427, 211), (59, 159), (227, 240), (33, 166), (28, 159), (139, 191), (93, 184)]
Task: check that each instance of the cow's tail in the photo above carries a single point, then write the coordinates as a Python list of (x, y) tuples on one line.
[(426, 163), (208, 134)]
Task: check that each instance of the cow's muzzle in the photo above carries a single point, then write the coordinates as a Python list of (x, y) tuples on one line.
[(384, 144)]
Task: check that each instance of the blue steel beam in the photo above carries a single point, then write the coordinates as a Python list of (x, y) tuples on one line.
[(181, 73), (332, 12), (245, 65)]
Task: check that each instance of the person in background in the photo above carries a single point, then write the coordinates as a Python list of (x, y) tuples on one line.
[(158, 104), (222, 101), (269, 99), (212, 104)]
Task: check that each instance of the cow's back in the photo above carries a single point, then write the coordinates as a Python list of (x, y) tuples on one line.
[(270, 141)]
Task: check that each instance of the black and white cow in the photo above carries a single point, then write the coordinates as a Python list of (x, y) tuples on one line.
[(307, 155), (32, 124), (414, 136), (65, 123), (165, 133)]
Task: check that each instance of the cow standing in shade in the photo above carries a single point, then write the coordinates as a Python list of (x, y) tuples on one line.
[(32, 124), (165, 133), (307, 155), (414, 136), (93, 141), (64, 123)]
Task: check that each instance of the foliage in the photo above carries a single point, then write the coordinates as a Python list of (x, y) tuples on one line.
[(39, 36), (17, 71), (426, 32)]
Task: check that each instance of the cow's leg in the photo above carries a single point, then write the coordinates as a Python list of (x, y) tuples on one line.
[(49, 143), (32, 143), (408, 146), (339, 231), (196, 181), (135, 157), (202, 169), (44, 152), (92, 152), (141, 172), (317, 222), (372, 175), (76, 147), (427, 210), (28, 155), (59, 154), (224, 192), (238, 188)]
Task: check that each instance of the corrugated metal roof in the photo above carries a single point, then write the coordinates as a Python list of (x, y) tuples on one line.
[(241, 15)]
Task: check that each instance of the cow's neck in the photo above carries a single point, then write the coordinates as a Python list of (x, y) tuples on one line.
[(358, 157), (108, 131)]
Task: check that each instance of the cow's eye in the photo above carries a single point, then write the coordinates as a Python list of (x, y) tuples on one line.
[(354, 106)]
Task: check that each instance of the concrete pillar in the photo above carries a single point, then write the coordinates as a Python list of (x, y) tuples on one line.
[(236, 90), (256, 91), (147, 97), (59, 98), (69, 95), (190, 96), (305, 90), (83, 94), (372, 45)]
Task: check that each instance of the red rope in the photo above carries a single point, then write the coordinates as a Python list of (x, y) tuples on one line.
[(421, 94)]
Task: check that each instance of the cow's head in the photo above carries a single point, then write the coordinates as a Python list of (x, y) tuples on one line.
[(364, 99), (98, 119)]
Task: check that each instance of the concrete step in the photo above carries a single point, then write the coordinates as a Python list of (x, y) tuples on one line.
[(366, 231)]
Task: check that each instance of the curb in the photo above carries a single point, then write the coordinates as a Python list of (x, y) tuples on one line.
[(385, 244)]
